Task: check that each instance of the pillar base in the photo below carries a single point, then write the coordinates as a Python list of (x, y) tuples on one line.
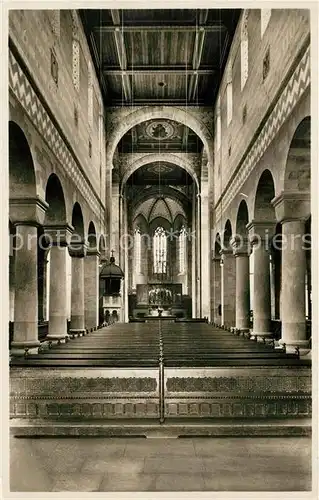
[(59, 338), (296, 345), (76, 332), (263, 336), (21, 348)]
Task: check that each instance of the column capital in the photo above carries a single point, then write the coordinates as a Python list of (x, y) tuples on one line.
[(240, 246), (292, 205), (58, 234), (92, 252), (27, 211), (225, 251), (77, 249), (260, 231)]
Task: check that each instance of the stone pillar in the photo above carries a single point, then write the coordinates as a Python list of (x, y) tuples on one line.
[(242, 286), (45, 285), (194, 258), (77, 254), (217, 290), (199, 256), (91, 289), (116, 219), (26, 215), (292, 209), (260, 234), (11, 286), (26, 289), (205, 252), (59, 237), (125, 267), (228, 287)]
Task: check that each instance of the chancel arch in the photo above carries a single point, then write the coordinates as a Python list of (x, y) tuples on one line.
[(160, 158), (159, 112)]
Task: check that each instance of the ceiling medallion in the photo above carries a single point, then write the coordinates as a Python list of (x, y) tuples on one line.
[(160, 130), (159, 168)]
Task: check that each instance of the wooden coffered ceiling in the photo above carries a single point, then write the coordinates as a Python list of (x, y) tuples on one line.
[(157, 56)]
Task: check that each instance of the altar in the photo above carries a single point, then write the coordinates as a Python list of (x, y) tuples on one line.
[(159, 301)]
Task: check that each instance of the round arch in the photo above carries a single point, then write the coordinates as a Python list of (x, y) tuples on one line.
[(297, 169), (242, 218), (78, 222), (22, 179), (227, 234), (92, 237), (102, 246), (159, 112), (54, 196), (265, 192), (161, 157)]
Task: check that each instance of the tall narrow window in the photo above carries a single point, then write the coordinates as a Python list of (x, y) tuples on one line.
[(90, 96), (160, 251), (137, 251), (182, 250), (218, 125), (229, 92), (244, 49), (75, 52), (264, 20)]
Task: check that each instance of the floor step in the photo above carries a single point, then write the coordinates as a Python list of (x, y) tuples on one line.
[(153, 429)]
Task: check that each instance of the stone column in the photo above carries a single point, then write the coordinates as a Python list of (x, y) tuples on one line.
[(77, 254), (292, 209), (125, 267), (59, 236), (217, 289), (228, 290), (199, 256), (242, 285), (91, 289), (260, 234), (194, 258), (11, 286), (116, 218), (205, 252), (26, 215)]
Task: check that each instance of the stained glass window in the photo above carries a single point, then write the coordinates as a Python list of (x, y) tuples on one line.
[(182, 250), (160, 251)]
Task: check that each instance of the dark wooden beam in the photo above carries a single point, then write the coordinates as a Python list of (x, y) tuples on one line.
[(149, 70), (197, 54), (149, 101), (217, 27), (121, 55)]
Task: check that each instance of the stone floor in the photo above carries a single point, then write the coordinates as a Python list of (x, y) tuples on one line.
[(139, 464)]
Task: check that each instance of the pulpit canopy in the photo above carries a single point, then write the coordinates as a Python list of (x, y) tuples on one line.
[(112, 275)]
